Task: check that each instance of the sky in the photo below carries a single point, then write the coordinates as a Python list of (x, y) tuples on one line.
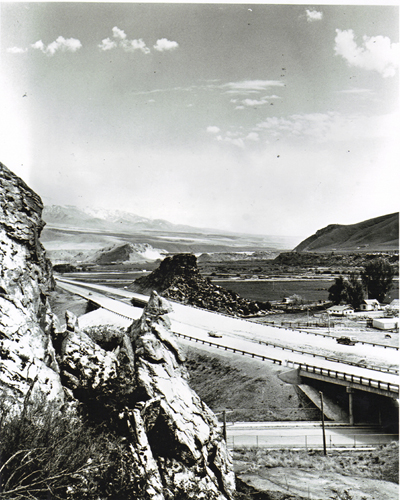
[(272, 119)]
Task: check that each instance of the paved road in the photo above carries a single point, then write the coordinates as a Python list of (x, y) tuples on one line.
[(240, 334), (304, 435)]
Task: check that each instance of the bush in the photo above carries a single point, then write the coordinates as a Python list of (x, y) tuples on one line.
[(46, 455)]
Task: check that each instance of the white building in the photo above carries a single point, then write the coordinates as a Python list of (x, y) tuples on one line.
[(340, 310), (370, 305), (386, 323)]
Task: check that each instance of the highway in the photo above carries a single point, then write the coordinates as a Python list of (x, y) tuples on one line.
[(305, 435), (244, 336)]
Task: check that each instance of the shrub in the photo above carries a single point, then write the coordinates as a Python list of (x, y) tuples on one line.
[(47, 455)]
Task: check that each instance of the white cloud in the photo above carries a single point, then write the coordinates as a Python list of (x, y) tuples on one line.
[(355, 91), (213, 129), (163, 44), (253, 136), (251, 85), (236, 141), (314, 15), (132, 45), (16, 50), (118, 34), (121, 40), (376, 53), (254, 102), (61, 44), (325, 127), (107, 44)]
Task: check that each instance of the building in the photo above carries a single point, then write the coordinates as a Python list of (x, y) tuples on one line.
[(370, 305), (340, 310), (386, 323)]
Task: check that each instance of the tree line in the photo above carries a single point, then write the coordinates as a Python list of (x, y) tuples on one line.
[(373, 282)]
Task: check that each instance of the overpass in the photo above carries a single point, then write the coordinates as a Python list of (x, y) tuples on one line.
[(267, 343)]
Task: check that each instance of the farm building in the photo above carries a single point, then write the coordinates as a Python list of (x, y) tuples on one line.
[(393, 307), (340, 310), (386, 323), (370, 305)]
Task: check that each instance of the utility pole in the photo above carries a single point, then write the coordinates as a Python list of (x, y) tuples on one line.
[(224, 427), (323, 421)]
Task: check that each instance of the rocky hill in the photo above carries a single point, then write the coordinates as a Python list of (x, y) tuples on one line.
[(157, 439), (125, 253), (178, 278), (373, 235)]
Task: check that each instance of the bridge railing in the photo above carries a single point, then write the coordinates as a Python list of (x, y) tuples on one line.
[(347, 377), (334, 374)]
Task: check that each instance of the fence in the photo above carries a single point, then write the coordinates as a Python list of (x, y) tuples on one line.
[(310, 441)]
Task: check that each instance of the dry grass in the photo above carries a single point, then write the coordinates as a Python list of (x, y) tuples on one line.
[(382, 463)]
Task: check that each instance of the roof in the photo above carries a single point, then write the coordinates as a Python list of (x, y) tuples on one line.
[(370, 301), (340, 308)]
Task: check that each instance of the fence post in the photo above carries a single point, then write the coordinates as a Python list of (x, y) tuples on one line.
[(306, 442)]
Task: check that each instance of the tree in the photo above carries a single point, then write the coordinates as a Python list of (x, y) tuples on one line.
[(336, 291), (348, 290), (354, 291), (377, 278)]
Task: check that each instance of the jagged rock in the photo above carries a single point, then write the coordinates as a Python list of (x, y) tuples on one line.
[(133, 383), (141, 389), (185, 439), (27, 359), (179, 279)]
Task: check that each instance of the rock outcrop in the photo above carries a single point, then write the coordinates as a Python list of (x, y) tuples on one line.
[(140, 389), (28, 368), (130, 386), (178, 278)]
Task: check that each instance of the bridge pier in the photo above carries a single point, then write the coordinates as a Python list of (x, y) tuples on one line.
[(350, 392)]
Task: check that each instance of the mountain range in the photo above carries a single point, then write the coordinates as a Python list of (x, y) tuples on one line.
[(378, 234), (110, 220)]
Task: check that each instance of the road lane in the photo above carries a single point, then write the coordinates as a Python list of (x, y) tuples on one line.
[(240, 334)]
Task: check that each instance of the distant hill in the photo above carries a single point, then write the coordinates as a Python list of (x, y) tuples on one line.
[(373, 235)]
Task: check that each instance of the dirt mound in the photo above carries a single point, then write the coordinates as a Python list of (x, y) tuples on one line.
[(179, 279)]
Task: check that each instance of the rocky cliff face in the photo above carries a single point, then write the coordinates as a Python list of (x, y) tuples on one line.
[(134, 388), (28, 367), (178, 278)]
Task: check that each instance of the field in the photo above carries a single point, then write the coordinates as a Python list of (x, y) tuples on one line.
[(269, 290)]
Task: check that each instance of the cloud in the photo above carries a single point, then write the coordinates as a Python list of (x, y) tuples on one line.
[(107, 44), (332, 126), (163, 44), (61, 44), (251, 86), (355, 91), (376, 53), (253, 136), (254, 102), (314, 15), (121, 41), (16, 50), (213, 129)]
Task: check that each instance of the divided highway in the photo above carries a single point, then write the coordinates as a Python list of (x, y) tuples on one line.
[(243, 337)]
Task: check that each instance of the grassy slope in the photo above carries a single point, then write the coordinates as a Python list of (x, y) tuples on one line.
[(249, 387)]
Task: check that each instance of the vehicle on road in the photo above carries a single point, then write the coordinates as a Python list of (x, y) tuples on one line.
[(215, 335), (346, 341)]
